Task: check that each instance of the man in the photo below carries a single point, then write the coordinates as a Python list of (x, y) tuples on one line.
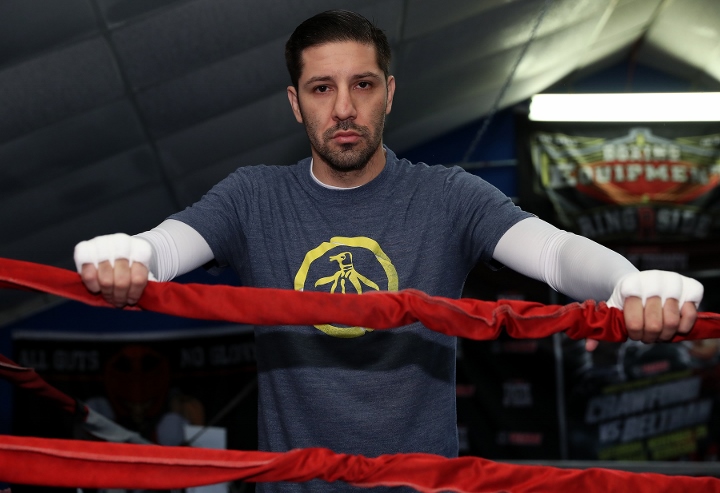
[(355, 218)]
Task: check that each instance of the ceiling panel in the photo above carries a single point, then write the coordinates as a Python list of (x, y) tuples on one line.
[(214, 89), (55, 86), (462, 83), (562, 14), (563, 47), (193, 34), (68, 146), (31, 27), (254, 125), (426, 126), (116, 12), (422, 17), (466, 41), (23, 212), (632, 15), (617, 46), (54, 243), (699, 29)]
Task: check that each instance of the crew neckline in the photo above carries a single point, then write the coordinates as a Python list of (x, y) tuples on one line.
[(330, 193), (325, 185)]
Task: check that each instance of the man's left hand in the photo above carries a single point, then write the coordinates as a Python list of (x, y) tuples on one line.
[(656, 305)]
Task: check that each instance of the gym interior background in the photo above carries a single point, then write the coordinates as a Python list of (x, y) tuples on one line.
[(115, 113)]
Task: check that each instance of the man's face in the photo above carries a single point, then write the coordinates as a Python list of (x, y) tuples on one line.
[(342, 99)]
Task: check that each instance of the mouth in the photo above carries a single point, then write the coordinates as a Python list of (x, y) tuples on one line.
[(346, 137)]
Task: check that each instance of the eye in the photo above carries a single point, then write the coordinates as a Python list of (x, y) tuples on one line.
[(321, 89), (363, 84)]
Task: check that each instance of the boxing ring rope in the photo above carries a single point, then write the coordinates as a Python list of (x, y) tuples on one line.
[(468, 318), (25, 449), (27, 378), (73, 463), (52, 462)]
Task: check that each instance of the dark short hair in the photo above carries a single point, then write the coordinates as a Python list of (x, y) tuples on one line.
[(335, 26)]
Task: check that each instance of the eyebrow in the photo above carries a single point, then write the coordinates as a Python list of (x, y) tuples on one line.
[(328, 78)]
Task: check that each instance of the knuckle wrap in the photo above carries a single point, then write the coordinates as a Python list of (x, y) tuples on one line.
[(649, 283), (110, 248)]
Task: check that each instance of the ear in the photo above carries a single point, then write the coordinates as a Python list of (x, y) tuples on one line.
[(294, 103), (390, 93)]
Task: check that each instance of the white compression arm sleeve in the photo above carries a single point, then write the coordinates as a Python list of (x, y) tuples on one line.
[(568, 263), (177, 249)]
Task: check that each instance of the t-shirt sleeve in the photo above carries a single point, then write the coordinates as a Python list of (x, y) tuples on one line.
[(481, 214), (220, 214)]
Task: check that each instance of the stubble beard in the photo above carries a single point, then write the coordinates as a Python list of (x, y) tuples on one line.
[(348, 157)]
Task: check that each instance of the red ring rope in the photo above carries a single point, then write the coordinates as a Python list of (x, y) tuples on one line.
[(28, 378), (469, 318), (109, 465), (71, 463)]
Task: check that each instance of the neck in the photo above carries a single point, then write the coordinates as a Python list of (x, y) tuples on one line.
[(348, 179)]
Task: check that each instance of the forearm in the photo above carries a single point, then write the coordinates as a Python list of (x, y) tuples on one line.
[(570, 264), (177, 249)]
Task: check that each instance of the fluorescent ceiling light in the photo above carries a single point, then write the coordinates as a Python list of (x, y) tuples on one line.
[(633, 107)]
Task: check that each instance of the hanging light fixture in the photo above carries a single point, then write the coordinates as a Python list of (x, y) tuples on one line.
[(626, 107)]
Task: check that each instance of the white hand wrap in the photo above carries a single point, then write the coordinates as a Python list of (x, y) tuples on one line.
[(649, 283), (111, 248)]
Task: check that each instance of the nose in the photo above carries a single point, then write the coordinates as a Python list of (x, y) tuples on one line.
[(344, 108)]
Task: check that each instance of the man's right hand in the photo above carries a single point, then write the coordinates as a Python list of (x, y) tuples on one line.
[(115, 266)]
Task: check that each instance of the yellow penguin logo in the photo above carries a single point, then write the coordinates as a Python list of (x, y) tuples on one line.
[(346, 271), (347, 278)]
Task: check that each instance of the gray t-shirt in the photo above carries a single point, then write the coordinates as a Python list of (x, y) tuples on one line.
[(348, 389)]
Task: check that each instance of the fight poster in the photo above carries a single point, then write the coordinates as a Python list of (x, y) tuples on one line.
[(172, 388), (551, 399), (626, 183), (643, 402)]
